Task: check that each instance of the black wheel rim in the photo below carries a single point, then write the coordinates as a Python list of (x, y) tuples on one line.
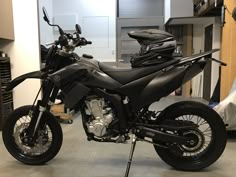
[(202, 137), (42, 143)]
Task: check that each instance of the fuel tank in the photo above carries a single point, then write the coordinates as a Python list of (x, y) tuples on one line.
[(86, 72)]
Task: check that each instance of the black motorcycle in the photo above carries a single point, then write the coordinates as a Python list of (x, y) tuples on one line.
[(114, 103)]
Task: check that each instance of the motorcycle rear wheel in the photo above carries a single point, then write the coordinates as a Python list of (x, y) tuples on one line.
[(45, 147), (210, 137)]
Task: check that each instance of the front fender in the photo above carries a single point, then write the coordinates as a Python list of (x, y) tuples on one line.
[(18, 80)]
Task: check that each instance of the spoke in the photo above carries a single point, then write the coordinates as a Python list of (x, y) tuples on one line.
[(203, 122), (182, 118), (20, 121), (204, 129), (207, 129), (185, 117), (191, 117), (208, 136), (207, 142), (27, 118), (204, 146), (207, 133), (198, 120)]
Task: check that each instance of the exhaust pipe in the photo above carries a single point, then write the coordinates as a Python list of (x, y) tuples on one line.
[(161, 136)]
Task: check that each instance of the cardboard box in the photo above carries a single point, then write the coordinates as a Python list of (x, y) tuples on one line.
[(59, 110)]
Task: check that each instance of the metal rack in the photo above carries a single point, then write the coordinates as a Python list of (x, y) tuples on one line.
[(208, 7), (6, 98)]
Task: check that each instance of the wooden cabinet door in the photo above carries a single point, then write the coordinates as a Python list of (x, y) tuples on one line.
[(228, 50), (6, 20)]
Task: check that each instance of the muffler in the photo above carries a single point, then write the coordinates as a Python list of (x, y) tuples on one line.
[(161, 136)]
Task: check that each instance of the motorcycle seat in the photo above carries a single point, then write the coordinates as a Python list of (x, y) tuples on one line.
[(151, 35), (128, 74)]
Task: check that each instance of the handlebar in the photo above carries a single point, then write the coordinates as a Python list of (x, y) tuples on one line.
[(68, 42), (83, 42)]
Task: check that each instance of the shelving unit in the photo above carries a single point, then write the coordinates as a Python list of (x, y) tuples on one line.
[(178, 32), (6, 98), (208, 7)]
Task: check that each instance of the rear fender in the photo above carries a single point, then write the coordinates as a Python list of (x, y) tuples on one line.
[(18, 80)]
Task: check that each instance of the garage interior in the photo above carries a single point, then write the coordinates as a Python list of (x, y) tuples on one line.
[(197, 25)]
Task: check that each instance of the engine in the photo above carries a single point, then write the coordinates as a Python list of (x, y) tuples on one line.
[(101, 115)]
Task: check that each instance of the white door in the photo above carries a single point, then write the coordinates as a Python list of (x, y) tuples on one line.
[(97, 20)]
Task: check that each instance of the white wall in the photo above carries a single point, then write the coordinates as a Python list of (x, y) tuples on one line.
[(98, 22), (198, 46), (216, 55), (24, 51), (46, 31), (167, 10)]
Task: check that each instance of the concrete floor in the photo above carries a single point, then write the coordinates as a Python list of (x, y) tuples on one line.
[(80, 158)]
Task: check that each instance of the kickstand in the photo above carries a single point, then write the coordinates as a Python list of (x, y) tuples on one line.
[(134, 140)]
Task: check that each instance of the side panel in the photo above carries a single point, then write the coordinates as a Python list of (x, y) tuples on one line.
[(151, 88), (74, 93), (162, 85), (194, 70)]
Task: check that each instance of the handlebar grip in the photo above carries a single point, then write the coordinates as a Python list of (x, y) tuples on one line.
[(89, 42)]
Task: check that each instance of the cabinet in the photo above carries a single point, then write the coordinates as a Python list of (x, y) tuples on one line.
[(180, 8), (6, 20), (228, 52), (6, 98)]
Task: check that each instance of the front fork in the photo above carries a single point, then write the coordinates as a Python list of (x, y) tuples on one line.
[(49, 95)]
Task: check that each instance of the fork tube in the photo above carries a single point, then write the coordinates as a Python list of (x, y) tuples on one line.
[(52, 97), (46, 94), (41, 111), (41, 107)]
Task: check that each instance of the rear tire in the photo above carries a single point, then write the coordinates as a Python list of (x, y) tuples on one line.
[(46, 146), (212, 151)]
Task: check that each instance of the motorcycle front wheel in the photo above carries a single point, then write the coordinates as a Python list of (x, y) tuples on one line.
[(208, 139), (47, 142)]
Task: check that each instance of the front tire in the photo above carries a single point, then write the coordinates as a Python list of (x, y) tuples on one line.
[(47, 144), (211, 135)]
